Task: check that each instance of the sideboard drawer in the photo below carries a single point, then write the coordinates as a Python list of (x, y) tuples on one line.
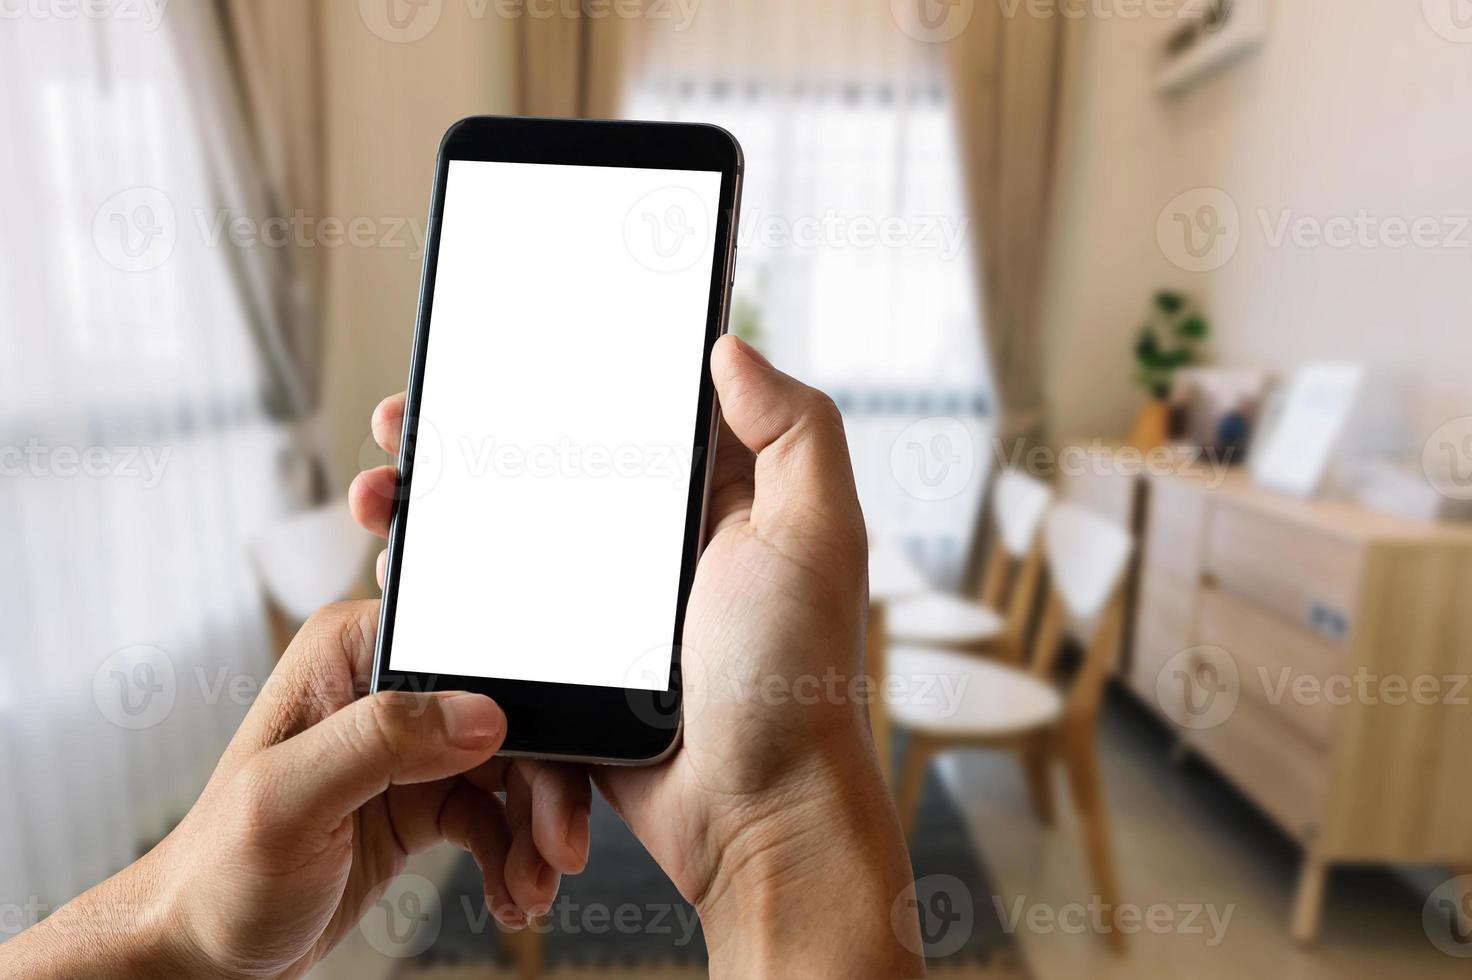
[(1173, 532), (1281, 668), (1279, 769), (1162, 629), (1299, 573)]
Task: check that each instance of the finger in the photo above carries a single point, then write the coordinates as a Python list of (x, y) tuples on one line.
[(319, 778), (327, 667), (532, 879), (733, 481), (456, 810), (381, 567), (802, 465), (388, 423), (560, 798), (371, 498), (476, 821)]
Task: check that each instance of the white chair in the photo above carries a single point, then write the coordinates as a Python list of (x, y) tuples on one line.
[(998, 706), (938, 618), (309, 559)]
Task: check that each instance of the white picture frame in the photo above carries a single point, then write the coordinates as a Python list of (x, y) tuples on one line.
[(1302, 427)]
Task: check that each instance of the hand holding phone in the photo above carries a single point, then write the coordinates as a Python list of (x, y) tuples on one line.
[(772, 787), (757, 650), (771, 817)]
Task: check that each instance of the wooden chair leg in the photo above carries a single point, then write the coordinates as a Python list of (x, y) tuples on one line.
[(1308, 901), (1037, 769), (912, 781), (527, 951), (1082, 764)]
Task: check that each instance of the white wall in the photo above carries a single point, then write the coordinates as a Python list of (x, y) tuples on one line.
[(1351, 104)]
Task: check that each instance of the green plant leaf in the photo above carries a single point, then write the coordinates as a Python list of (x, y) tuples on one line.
[(1180, 357), (1169, 302), (1147, 347), (1194, 326)]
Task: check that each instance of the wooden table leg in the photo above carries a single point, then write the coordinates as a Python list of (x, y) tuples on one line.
[(1308, 903)]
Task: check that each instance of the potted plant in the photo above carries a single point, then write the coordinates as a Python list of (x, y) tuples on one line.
[(1167, 342)]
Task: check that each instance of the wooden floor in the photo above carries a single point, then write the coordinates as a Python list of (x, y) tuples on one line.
[(1184, 838)]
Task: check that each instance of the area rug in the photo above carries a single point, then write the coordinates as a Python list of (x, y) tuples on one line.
[(623, 915)]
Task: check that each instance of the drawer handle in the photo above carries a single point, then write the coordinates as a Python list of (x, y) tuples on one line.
[(1325, 620)]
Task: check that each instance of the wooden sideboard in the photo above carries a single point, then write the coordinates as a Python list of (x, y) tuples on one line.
[(1350, 635)]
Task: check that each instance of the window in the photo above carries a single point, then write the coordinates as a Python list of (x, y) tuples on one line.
[(135, 456), (853, 272)]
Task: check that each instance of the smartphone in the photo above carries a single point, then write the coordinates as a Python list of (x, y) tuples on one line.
[(560, 427)]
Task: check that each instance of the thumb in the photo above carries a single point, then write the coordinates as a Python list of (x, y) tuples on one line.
[(330, 770), (802, 465)]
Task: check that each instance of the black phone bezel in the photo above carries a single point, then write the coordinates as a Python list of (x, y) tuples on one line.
[(569, 721)]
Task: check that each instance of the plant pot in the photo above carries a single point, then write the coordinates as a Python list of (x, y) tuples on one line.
[(1152, 425)]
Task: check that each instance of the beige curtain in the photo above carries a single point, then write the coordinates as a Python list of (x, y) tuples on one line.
[(276, 47), (572, 64), (254, 84), (1008, 77), (252, 68)]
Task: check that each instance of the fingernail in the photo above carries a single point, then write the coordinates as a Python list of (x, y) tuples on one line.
[(382, 566), (472, 721), (753, 353)]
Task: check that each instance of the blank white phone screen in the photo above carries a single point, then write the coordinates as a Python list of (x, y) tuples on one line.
[(546, 521)]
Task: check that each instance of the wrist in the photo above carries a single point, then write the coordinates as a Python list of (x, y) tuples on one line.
[(123, 927), (806, 881)]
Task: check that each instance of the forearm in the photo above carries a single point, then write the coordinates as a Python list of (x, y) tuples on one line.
[(811, 891), (117, 929)]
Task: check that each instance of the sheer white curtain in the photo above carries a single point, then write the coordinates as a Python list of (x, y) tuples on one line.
[(854, 270), (134, 460)]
